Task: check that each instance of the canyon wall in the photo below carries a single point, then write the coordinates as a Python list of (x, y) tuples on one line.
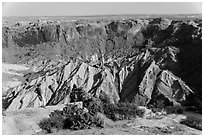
[(146, 61)]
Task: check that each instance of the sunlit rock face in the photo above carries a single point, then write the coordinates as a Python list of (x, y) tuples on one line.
[(143, 61)]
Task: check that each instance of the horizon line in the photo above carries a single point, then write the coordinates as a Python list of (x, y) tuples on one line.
[(107, 15)]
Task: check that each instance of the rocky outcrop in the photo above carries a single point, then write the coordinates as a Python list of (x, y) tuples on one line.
[(142, 61)]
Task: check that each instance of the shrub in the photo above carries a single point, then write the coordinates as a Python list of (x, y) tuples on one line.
[(93, 104), (109, 110), (72, 117), (46, 124), (174, 109), (75, 118), (122, 110), (129, 110), (192, 122), (56, 121)]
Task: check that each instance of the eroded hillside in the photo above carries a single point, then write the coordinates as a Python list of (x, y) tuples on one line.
[(146, 61)]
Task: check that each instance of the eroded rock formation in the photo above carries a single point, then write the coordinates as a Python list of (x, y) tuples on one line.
[(141, 61)]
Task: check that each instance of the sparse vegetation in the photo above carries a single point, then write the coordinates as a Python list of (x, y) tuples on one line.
[(122, 110), (72, 117), (75, 118), (174, 109), (153, 61), (192, 122)]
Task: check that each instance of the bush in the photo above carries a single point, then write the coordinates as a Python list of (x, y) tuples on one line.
[(129, 110), (122, 110), (56, 121), (75, 118), (109, 110), (46, 124), (91, 103), (192, 122), (174, 109)]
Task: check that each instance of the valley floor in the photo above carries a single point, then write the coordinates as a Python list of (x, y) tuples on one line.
[(164, 126), (25, 121)]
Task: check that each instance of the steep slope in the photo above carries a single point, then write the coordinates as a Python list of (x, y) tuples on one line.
[(142, 61)]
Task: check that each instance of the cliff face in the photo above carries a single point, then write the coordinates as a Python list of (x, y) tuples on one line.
[(141, 61)]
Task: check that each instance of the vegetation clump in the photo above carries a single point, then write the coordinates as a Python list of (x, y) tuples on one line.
[(74, 117), (71, 117), (122, 110), (192, 122)]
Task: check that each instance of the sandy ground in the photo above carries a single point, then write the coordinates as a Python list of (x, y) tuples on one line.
[(140, 126), (24, 122)]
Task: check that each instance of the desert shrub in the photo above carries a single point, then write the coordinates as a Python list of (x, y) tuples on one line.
[(122, 110), (93, 104), (72, 117), (46, 124), (194, 109), (158, 102), (56, 121), (109, 110), (78, 119), (174, 109), (129, 110), (75, 118), (192, 122)]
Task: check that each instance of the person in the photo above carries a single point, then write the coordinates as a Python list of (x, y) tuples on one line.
[(40, 95)]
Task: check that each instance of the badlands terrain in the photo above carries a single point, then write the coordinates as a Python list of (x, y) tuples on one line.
[(152, 62)]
